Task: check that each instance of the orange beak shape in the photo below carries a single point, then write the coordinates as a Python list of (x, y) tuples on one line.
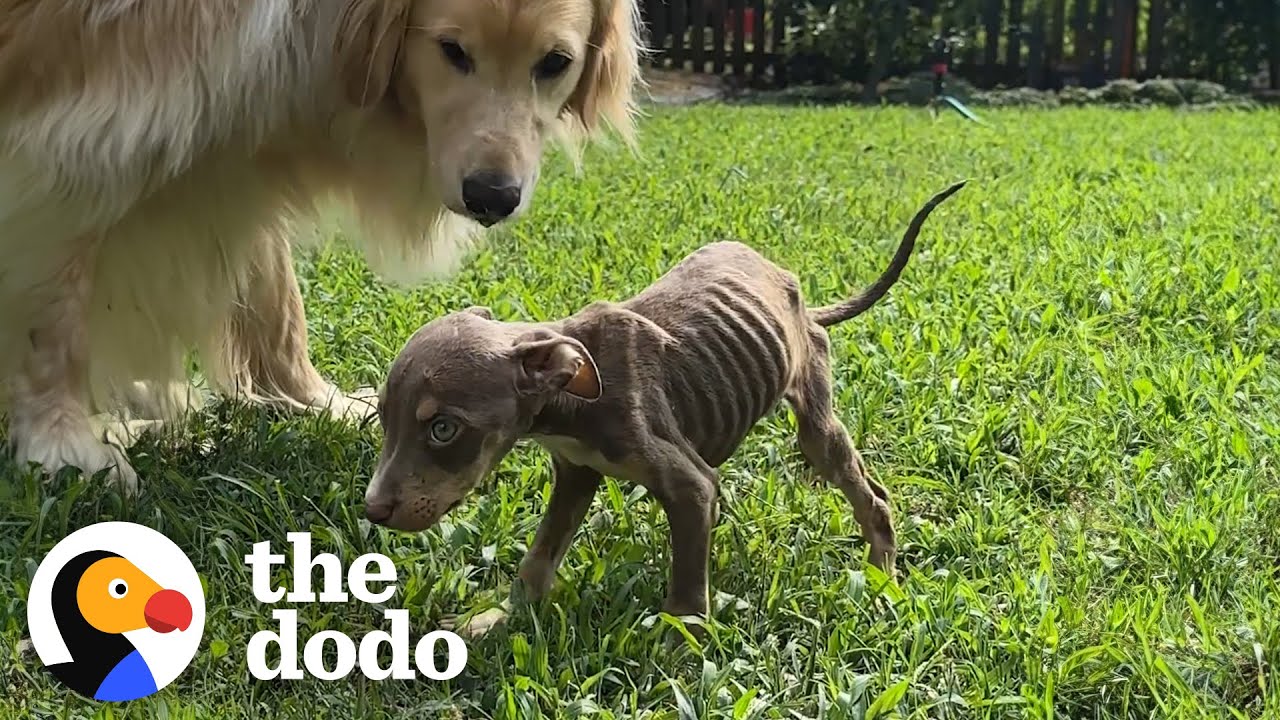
[(168, 610)]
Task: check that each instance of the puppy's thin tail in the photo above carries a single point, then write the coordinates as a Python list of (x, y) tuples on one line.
[(829, 315)]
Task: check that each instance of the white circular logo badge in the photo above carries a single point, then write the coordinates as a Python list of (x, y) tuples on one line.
[(116, 611)]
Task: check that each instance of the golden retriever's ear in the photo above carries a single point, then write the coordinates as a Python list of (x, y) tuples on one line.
[(368, 42), (611, 72)]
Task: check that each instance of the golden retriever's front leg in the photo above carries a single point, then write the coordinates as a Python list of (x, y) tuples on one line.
[(49, 422), (265, 356)]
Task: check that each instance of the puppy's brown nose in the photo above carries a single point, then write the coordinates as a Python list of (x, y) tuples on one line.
[(378, 512)]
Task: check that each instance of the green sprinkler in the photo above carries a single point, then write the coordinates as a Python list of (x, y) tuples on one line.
[(941, 60)]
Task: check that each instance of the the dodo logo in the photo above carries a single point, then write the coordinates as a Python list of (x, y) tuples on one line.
[(116, 611)]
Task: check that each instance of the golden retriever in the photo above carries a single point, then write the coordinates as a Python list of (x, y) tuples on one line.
[(155, 155)]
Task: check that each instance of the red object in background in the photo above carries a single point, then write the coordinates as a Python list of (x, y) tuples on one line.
[(748, 21)]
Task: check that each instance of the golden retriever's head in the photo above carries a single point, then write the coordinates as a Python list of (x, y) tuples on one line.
[(491, 81)]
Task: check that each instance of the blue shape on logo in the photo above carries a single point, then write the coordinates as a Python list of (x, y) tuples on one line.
[(130, 679)]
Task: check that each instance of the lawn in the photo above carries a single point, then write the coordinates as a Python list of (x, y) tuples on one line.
[(1073, 396)]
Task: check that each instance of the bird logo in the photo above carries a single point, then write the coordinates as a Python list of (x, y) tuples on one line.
[(116, 611)]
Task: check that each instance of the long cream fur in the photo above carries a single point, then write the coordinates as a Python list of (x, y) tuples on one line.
[(156, 157)]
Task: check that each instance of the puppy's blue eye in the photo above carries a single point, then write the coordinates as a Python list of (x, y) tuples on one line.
[(456, 56), (552, 65), (443, 430)]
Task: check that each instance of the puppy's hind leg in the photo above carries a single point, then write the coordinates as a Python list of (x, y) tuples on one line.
[(49, 419), (828, 448), (262, 354), (689, 491)]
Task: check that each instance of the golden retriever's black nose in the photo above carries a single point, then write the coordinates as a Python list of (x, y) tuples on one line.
[(378, 512), (490, 196)]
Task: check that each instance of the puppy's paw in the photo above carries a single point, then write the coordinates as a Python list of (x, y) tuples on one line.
[(696, 628), (477, 627), (685, 623)]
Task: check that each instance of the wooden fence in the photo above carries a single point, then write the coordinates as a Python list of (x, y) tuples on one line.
[(739, 37), (1036, 43)]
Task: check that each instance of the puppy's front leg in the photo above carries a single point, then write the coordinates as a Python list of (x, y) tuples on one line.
[(575, 487), (571, 496), (687, 489)]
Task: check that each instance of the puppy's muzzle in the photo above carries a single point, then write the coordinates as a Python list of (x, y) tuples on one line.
[(490, 196), (381, 513)]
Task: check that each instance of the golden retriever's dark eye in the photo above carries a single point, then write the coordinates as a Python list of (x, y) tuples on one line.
[(456, 56), (442, 430), (552, 65)]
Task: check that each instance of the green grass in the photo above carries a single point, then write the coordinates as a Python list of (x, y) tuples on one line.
[(1073, 396)]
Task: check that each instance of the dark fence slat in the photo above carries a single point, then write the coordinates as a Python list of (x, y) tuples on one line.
[(1098, 54), (1115, 31), (1054, 48), (717, 37), (1121, 63), (655, 15), (1080, 38), (780, 17), (697, 35), (1013, 42), (1273, 49), (1036, 48), (928, 11), (1156, 19), (1175, 63), (679, 26), (758, 41), (738, 13), (886, 34), (1132, 22), (991, 50), (971, 20)]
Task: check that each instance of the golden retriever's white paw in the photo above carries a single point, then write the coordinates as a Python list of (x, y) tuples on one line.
[(78, 447), (478, 626), (162, 400), (356, 406), (121, 433)]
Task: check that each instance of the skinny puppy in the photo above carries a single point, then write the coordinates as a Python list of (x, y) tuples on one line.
[(659, 390)]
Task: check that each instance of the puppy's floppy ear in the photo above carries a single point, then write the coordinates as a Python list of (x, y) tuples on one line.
[(554, 364), (369, 36), (611, 69), (480, 311)]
